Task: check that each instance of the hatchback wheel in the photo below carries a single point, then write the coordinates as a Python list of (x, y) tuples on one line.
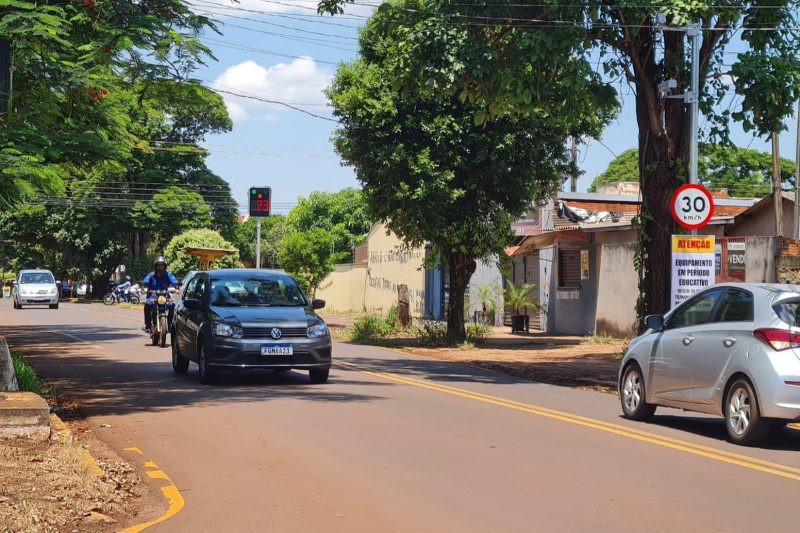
[(742, 415), (180, 364), (207, 374), (318, 375), (632, 395)]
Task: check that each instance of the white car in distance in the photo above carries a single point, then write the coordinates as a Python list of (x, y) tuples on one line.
[(36, 287)]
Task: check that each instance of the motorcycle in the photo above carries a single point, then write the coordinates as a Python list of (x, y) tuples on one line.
[(161, 311), (117, 295)]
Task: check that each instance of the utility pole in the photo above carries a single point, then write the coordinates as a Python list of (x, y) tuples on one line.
[(777, 193), (693, 98), (797, 179), (573, 180)]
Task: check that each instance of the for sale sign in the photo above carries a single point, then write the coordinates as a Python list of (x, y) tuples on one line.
[(693, 266)]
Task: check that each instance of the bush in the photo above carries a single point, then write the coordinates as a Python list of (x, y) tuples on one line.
[(431, 332), (478, 331), (27, 379), (369, 327)]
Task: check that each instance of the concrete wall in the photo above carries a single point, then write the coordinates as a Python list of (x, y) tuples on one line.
[(344, 289), (546, 263), (618, 291), (762, 222), (392, 263), (760, 261), (487, 273)]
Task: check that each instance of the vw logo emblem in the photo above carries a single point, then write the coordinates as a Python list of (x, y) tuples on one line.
[(276, 333)]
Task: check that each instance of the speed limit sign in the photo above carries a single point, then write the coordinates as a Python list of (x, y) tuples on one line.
[(692, 206)]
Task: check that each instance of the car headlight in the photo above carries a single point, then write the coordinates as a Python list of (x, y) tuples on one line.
[(317, 330), (53, 291), (221, 329)]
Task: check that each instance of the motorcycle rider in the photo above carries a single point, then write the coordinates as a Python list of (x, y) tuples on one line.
[(158, 280), (124, 289)]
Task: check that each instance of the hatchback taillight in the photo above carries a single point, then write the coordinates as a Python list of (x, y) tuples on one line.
[(779, 339)]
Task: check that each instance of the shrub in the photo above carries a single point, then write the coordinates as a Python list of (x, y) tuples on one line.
[(368, 327), (431, 332), (27, 379), (478, 331)]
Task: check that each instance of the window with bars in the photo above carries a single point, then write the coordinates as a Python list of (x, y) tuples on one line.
[(569, 268)]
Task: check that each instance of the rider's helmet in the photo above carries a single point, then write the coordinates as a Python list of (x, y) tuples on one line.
[(160, 261)]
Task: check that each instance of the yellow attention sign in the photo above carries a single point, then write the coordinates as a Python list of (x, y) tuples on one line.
[(689, 244)]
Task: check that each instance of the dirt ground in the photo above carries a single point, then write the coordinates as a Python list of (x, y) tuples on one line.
[(50, 486)]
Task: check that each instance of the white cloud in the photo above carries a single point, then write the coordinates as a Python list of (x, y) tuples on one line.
[(298, 82)]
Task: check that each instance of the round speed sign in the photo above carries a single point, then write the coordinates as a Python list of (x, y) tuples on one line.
[(692, 206)]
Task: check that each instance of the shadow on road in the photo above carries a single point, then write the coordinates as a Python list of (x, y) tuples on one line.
[(781, 437), (105, 385)]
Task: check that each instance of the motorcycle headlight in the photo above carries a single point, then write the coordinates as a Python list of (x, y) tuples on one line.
[(221, 329), (317, 330), (162, 300)]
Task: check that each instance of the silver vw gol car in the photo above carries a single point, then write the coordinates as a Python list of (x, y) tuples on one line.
[(731, 350)]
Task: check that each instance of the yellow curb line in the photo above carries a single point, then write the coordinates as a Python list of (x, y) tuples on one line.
[(170, 492), (653, 438), (62, 429)]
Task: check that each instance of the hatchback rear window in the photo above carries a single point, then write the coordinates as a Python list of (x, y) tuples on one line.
[(789, 312)]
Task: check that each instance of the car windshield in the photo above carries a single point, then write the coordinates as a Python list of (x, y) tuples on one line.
[(36, 277), (276, 291)]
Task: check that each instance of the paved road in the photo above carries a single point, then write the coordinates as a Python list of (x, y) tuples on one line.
[(399, 443)]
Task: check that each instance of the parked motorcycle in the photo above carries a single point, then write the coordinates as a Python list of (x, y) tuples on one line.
[(116, 295)]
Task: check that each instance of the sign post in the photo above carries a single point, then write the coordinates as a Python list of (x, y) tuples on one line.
[(260, 204)]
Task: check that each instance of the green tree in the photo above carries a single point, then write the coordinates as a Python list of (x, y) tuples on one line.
[(522, 40), (429, 168), (306, 255), (169, 212), (180, 263), (273, 228), (344, 214), (743, 172)]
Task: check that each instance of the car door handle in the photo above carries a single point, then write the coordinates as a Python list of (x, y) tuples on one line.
[(688, 340), (730, 341)]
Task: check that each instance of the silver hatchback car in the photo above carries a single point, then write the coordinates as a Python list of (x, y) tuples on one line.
[(731, 350)]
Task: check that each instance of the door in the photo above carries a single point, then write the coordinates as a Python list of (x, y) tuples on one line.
[(195, 317), (732, 331), (181, 315), (688, 331)]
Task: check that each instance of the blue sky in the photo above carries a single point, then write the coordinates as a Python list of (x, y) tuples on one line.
[(280, 50)]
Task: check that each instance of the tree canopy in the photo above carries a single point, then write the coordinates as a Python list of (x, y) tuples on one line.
[(743, 172), (431, 167), (181, 263)]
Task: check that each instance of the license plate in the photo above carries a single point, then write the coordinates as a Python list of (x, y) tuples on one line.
[(277, 349)]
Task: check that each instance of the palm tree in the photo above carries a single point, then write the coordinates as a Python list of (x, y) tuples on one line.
[(518, 298)]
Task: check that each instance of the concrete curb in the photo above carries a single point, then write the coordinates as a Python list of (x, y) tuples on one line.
[(8, 379), (61, 433)]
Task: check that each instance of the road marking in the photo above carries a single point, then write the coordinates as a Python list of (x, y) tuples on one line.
[(169, 491), (623, 431), (95, 311)]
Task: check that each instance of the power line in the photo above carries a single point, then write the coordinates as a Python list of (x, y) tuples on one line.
[(267, 100), (237, 46)]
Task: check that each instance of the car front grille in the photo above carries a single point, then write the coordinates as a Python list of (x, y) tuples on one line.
[(254, 333)]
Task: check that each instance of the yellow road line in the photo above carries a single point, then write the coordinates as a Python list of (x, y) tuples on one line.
[(170, 492), (653, 438)]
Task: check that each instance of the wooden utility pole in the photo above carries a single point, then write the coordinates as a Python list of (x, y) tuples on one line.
[(777, 196), (573, 180)]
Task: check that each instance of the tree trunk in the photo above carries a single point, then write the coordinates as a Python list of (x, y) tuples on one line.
[(777, 186), (461, 270)]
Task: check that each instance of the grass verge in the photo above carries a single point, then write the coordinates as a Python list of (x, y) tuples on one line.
[(27, 379)]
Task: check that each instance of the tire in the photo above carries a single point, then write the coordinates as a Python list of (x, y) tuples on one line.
[(208, 375), (162, 331), (16, 305), (53, 306), (154, 337), (135, 299), (318, 375), (180, 364), (632, 395), (109, 299), (743, 419)]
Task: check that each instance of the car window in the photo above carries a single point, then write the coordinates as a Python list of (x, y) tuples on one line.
[(736, 306), (789, 312), (37, 277), (696, 311), (189, 292), (256, 291), (201, 289)]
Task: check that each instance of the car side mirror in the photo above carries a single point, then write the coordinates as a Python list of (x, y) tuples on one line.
[(655, 322), (191, 303), (317, 304)]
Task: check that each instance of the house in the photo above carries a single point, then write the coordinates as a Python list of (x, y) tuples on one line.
[(579, 251)]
